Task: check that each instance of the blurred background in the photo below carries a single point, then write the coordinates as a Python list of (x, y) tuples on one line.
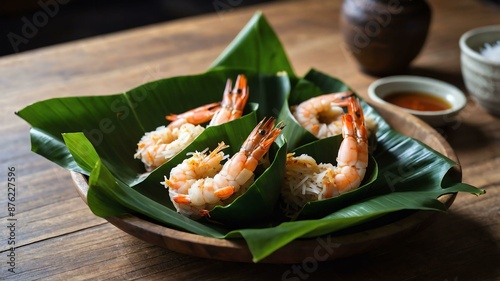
[(31, 24)]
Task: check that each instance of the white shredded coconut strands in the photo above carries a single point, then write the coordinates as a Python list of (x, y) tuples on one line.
[(303, 183), (159, 146), (491, 51)]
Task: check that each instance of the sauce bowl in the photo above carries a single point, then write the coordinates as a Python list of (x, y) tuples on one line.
[(453, 97)]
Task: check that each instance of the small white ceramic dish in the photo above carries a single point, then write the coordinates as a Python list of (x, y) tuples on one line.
[(481, 74), (383, 87)]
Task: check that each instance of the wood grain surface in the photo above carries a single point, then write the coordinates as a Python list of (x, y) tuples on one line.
[(58, 238)]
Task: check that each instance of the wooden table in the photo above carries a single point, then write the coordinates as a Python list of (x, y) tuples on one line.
[(58, 238)]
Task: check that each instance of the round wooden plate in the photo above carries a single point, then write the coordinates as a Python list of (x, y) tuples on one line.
[(327, 247)]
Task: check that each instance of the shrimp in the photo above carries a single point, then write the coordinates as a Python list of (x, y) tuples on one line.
[(233, 101), (322, 115), (159, 146), (200, 182), (231, 107), (305, 180)]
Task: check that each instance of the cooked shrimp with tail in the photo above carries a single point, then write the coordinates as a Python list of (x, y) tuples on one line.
[(201, 182), (306, 180), (159, 146), (322, 115)]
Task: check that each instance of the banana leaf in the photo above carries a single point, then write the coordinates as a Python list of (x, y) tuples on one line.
[(263, 242), (256, 47), (115, 123), (97, 136)]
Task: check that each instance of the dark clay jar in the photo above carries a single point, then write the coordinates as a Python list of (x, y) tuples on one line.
[(384, 36)]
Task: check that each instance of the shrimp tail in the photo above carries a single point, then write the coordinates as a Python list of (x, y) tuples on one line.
[(355, 109), (240, 94), (233, 101), (195, 116)]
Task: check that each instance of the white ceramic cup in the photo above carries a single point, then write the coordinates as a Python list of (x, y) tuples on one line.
[(481, 75)]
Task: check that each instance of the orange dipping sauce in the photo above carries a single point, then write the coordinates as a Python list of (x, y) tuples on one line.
[(417, 101)]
